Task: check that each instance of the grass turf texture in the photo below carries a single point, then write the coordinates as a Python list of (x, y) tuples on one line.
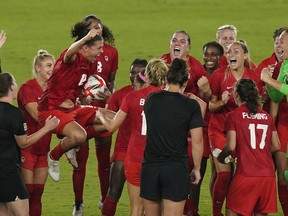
[(142, 29)]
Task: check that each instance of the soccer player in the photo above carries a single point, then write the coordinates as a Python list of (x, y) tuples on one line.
[(225, 36), (271, 62), (279, 88), (221, 103), (34, 159), (70, 73), (117, 175), (180, 45), (166, 148), (252, 134), (198, 84), (132, 106), (106, 65), (13, 193), (212, 53)]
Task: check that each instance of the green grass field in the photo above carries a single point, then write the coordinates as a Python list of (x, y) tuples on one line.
[(142, 29)]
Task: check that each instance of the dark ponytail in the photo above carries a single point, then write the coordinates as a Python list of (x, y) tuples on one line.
[(248, 92)]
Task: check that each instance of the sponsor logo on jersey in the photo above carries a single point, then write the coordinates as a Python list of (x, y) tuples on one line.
[(106, 58), (22, 159)]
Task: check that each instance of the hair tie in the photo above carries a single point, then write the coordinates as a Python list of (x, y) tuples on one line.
[(143, 78)]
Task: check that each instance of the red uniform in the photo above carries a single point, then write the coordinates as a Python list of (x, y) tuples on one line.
[(254, 160), (282, 116), (133, 105), (66, 82), (271, 61), (124, 131), (222, 81), (30, 92), (105, 64), (195, 69)]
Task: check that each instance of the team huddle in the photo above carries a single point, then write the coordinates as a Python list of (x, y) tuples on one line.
[(175, 114)]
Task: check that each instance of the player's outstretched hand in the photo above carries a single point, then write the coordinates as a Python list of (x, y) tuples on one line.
[(2, 38)]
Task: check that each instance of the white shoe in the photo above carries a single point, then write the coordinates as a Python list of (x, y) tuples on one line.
[(100, 203), (53, 169), (78, 210), (71, 156)]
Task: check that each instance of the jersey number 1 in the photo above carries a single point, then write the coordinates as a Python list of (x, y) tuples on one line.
[(252, 128), (144, 125)]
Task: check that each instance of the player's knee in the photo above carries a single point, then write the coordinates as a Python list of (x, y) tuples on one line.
[(78, 138)]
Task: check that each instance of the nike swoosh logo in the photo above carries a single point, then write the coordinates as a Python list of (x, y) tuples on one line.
[(230, 87)]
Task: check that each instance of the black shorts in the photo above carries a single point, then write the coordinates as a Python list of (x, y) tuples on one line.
[(13, 189), (165, 180)]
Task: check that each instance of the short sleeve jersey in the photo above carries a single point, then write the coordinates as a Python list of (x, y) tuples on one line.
[(124, 131), (105, 64), (170, 116), (195, 69), (66, 82), (223, 80), (272, 60), (30, 92), (282, 116), (133, 105), (253, 141), (12, 122)]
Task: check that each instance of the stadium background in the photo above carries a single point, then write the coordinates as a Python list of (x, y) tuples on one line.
[(142, 30)]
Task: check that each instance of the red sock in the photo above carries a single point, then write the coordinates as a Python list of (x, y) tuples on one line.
[(103, 157), (57, 152), (30, 189), (35, 205), (219, 193), (79, 173), (283, 197), (189, 208), (109, 207)]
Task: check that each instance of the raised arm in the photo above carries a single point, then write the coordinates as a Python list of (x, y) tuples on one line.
[(70, 55)]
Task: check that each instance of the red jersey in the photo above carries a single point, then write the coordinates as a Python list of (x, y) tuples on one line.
[(66, 82), (133, 105), (253, 147), (223, 80), (195, 69), (105, 64), (272, 60), (30, 92), (282, 116), (124, 131)]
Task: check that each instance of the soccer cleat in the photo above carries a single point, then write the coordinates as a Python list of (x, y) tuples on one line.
[(100, 203), (78, 209), (71, 156), (53, 169)]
